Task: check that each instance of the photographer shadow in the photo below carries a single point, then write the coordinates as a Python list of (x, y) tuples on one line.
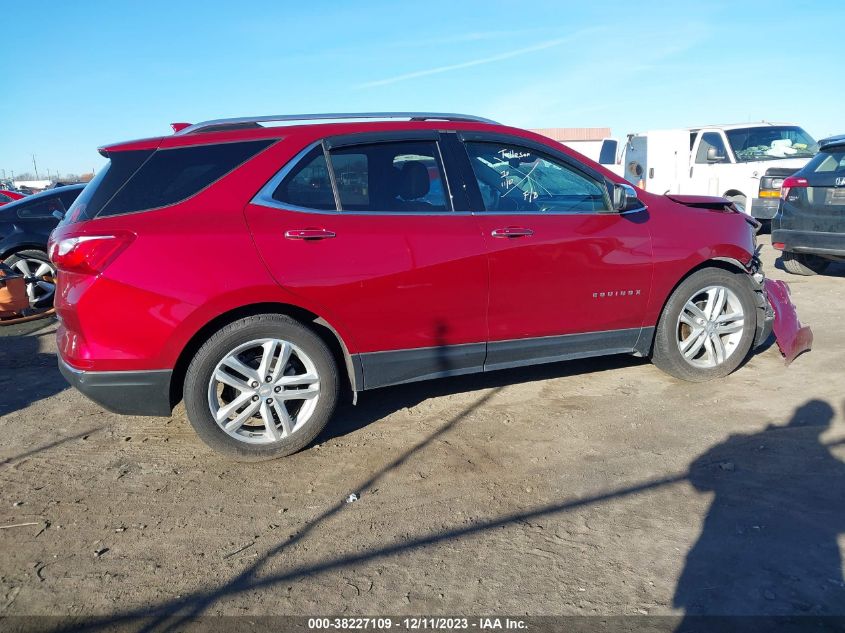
[(768, 545)]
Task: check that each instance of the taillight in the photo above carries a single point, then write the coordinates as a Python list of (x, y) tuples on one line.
[(792, 183), (88, 254)]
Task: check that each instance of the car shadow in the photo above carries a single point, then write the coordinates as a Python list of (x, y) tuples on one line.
[(377, 404), (26, 374)]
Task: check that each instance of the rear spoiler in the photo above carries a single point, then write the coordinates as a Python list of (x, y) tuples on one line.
[(712, 203)]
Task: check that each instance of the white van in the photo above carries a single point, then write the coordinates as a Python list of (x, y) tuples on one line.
[(744, 162)]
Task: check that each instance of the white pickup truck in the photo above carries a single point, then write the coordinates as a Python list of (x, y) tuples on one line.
[(745, 162)]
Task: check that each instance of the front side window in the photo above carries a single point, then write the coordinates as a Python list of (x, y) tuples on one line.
[(514, 178), (4, 198), (41, 209), (402, 176), (711, 149)]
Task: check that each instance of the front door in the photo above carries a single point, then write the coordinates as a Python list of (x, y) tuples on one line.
[(568, 276), (364, 228)]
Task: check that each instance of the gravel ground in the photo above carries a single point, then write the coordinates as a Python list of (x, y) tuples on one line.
[(599, 487)]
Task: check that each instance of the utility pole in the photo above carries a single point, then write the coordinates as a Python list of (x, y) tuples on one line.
[(35, 167)]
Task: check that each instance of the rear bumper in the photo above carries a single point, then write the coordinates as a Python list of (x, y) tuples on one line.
[(126, 392), (764, 208), (812, 242)]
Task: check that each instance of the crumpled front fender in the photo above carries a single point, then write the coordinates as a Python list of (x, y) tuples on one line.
[(793, 339)]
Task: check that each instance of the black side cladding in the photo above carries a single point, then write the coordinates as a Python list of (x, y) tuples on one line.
[(170, 176)]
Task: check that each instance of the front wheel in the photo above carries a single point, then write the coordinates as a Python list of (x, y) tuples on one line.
[(261, 387), (707, 326)]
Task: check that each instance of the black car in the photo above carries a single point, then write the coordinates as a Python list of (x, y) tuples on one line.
[(809, 226), (25, 226)]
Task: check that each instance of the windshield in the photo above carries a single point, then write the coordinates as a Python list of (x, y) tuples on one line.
[(771, 142)]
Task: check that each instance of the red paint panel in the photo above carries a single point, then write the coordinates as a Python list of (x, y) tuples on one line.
[(394, 281), (575, 273)]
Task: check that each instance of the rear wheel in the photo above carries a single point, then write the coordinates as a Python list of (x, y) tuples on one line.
[(802, 263), (40, 276), (707, 327), (261, 387)]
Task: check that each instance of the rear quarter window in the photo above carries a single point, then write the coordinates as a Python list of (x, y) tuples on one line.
[(170, 176), (830, 162)]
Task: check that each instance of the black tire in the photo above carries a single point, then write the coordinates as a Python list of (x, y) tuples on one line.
[(666, 355), (43, 300), (199, 374), (803, 264)]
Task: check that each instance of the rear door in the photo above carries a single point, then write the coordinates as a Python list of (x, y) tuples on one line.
[(568, 277), (363, 227)]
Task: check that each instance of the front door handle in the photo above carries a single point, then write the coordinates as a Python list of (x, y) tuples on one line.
[(309, 234), (512, 231)]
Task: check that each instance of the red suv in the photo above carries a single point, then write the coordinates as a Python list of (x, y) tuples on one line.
[(255, 267)]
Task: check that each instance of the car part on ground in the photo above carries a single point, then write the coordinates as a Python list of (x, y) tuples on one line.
[(39, 274), (14, 303), (375, 253), (12, 292), (792, 338)]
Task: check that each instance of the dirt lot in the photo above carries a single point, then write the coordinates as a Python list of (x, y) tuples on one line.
[(595, 487)]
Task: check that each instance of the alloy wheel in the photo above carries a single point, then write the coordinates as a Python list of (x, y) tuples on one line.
[(710, 326), (264, 391)]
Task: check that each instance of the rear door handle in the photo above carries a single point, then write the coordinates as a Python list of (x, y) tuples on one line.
[(309, 234), (512, 231)]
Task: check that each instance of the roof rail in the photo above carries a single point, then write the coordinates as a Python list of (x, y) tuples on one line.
[(255, 121)]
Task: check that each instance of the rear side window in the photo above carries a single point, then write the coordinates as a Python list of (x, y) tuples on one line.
[(607, 156), (392, 176), (308, 184), (4, 198), (172, 175)]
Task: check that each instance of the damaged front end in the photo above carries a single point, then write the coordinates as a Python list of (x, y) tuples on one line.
[(777, 313)]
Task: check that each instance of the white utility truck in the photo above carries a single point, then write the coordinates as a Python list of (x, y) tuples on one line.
[(745, 162)]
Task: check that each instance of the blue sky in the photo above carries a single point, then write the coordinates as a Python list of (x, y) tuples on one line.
[(81, 74)]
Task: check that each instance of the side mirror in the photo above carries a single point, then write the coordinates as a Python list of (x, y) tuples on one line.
[(625, 198), (58, 215), (713, 155)]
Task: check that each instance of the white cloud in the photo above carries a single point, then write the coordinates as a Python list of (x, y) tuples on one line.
[(474, 62)]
